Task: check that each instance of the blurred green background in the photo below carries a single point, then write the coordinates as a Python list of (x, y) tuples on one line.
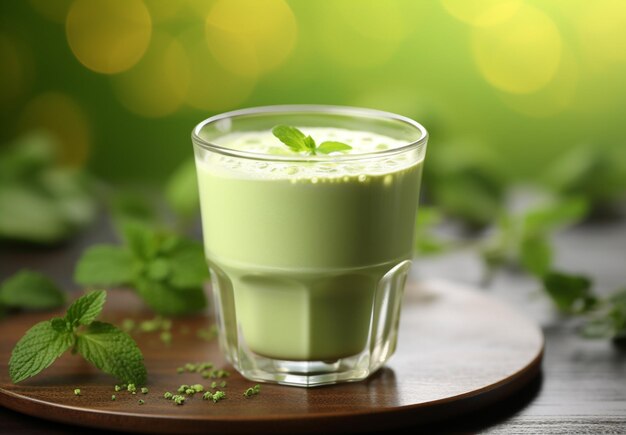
[(511, 90), (121, 83)]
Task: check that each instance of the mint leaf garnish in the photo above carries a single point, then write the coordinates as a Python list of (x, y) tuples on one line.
[(107, 347), (299, 142), (30, 290), (112, 351), (104, 265), (167, 271), (38, 349), (332, 146)]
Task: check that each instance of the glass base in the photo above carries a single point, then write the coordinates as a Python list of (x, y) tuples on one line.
[(306, 373), (373, 338)]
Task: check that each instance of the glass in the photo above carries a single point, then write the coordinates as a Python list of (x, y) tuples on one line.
[(308, 253)]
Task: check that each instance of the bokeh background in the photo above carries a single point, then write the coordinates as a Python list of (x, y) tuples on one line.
[(512, 91)]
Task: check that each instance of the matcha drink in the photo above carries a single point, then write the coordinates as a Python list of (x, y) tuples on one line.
[(303, 253)]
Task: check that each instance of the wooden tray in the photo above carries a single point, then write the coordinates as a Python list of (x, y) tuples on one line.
[(459, 350)]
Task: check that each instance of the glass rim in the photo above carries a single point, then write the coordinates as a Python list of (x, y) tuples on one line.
[(313, 108)]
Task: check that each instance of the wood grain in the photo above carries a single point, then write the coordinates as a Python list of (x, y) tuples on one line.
[(459, 350)]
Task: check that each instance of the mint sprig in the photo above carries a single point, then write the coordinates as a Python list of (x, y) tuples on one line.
[(167, 271), (31, 291), (104, 345), (299, 142)]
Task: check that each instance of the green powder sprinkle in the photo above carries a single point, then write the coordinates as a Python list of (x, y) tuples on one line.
[(218, 395)]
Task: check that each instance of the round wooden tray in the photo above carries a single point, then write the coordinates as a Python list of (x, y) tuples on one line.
[(459, 350)]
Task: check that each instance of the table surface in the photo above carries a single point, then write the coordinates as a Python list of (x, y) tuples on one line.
[(583, 384)]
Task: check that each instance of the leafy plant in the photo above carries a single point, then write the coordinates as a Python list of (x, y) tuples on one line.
[(523, 239), (167, 271)]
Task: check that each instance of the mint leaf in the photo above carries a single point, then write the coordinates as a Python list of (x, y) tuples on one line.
[(85, 309), (158, 269), (299, 142), (536, 255), (570, 293), (142, 241), (181, 190), (188, 267), (154, 263), (106, 265), (332, 146), (31, 290), (610, 321), (38, 348), (113, 351), (171, 301), (107, 347), (561, 213), (294, 138)]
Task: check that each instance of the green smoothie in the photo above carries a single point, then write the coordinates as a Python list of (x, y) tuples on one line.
[(298, 249)]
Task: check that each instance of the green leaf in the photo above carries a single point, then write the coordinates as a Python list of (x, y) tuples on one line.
[(570, 293), (38, 348), (31, 290), (564, 212), (143, 241), (113, 351), (536, 255), (294, 138), (105, 265), (181, 190), (610, 320), (188, 267), (86, 308), (158, 269), (332, 146), (171, 301)]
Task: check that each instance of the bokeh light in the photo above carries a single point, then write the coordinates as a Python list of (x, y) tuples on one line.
[(164, 10), (363, 33), (482, 12), (158, 84), (63, 118), (108, 36), (250, 37), (481, 71), (211, 87), (520, 55), (556, 97), (602, 25)]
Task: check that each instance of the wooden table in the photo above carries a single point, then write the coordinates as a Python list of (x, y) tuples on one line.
[(583, 386)]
